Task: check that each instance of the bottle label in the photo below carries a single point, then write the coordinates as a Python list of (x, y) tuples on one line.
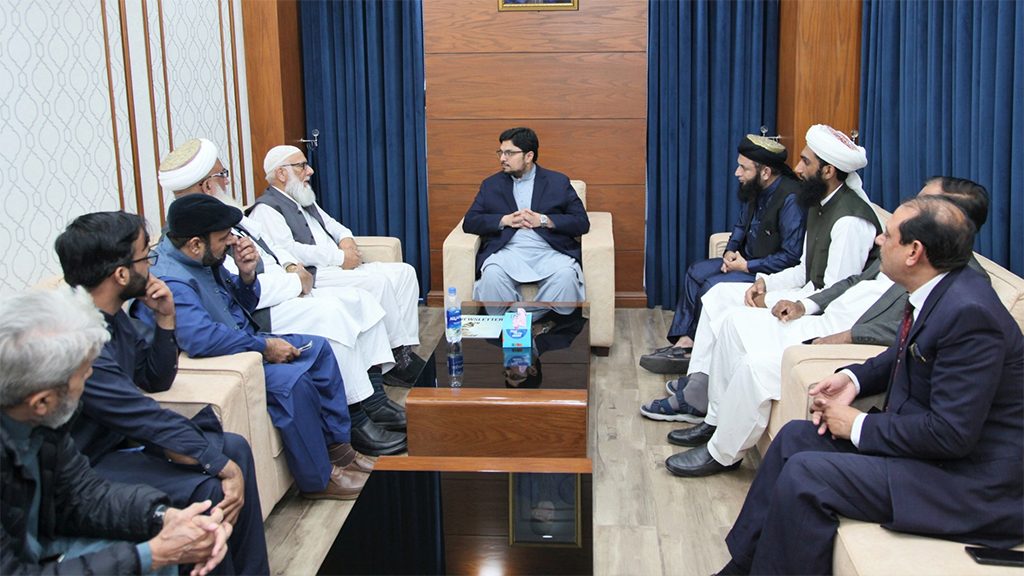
[(454, 319), (454, 364)]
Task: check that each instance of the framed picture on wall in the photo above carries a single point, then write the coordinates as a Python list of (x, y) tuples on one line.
[(520, 5), (544, 509)]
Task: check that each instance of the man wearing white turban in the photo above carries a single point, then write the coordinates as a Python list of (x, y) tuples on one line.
[(841, 228), (350, 320), (291, 218)]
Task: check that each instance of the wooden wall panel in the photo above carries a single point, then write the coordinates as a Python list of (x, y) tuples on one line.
[(588, 85), (476, 26), (578, 78), (819, 68), (273, 67), (595, 151)]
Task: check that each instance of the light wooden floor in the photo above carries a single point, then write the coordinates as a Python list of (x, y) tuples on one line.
[(646, 521)]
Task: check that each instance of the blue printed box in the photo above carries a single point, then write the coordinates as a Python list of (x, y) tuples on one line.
[(516, 337)]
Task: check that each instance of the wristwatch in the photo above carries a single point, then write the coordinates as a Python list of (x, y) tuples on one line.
[(543, 220), (156, 519)]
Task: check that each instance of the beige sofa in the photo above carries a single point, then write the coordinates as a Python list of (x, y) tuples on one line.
[(235, 387), (460, 251), (863, 548)]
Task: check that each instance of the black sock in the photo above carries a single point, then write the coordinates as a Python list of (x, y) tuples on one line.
[(357, 414), (376, 400)]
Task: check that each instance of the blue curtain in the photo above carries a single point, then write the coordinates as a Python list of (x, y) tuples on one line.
[(712, 78), (363, 74), (942, 93)]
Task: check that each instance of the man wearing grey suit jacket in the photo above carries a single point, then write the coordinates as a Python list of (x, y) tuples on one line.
[(745, 373)]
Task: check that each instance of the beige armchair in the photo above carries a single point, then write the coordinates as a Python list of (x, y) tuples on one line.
[(460, 251)]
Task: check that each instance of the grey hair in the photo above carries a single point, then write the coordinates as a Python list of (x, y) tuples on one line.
[(45, 336)]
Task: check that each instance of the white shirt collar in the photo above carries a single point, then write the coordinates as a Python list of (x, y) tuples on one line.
[(528, 176), (830, 195), (920, 296)]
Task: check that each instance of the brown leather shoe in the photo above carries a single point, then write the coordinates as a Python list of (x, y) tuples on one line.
[(346, 458), (343, 485)]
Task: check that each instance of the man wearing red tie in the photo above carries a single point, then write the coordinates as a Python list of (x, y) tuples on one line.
[(946, 455)]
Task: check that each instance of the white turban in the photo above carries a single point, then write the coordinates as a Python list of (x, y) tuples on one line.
[(837, 149), (277, 156), (187, 164)]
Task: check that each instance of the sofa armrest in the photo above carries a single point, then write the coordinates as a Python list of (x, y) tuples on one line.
[(717, 243), (459, 253), (379, 248), (804, 366), (598, 247)]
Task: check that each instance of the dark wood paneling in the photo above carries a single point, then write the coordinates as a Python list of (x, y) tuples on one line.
[(477, 26), (819, 68), (629, 271), (627, 205), (590, 85), (448, 204), (273, 66), (475, 506), (515, 423), (595, 151), (479, 554)]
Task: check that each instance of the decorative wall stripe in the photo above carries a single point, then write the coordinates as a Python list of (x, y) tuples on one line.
[(113, 112), (238, 106), (132, 122), (224, 76)]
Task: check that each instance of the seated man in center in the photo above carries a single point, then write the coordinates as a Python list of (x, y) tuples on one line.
[(528, 219)]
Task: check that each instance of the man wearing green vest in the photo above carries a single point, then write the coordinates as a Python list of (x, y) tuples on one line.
[(841, 228)]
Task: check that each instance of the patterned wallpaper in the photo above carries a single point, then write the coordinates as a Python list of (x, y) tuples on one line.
[(92, 110)]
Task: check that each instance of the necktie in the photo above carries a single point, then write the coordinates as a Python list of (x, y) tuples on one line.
[(908, 320)]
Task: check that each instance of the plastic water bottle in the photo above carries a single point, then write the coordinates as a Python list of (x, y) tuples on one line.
[(453, 334)]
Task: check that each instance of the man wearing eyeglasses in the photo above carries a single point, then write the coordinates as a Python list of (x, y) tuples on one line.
[(350, 319), (125, 434), (290, 216), (528, 219)]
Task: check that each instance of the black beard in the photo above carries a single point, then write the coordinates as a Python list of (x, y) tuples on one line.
[(212, 262), (136, 286), (812, 190), (750, 190)]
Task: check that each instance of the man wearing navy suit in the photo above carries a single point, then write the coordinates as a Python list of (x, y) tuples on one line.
[(946, 456), (528, 219)]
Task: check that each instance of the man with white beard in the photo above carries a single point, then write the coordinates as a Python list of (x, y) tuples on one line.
[(350, 320), (292, 219)]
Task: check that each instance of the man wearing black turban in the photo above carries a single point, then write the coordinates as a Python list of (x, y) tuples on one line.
[(768, 237)]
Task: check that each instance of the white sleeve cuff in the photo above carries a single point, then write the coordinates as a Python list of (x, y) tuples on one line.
[(810, 306), (856, 383), (858, 423)]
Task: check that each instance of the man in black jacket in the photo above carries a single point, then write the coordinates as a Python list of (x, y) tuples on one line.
[(56, 514), (107, 253)]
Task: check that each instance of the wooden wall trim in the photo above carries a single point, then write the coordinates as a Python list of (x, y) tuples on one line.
[(273, 66), (819, 68)]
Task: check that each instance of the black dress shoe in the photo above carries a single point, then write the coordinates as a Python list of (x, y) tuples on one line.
[(692, 437), (403, 377), (389, 416), (667, 361), (695, 463), (373, 440)]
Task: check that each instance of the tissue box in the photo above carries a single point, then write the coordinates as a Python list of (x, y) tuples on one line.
[(516, 337), (517, 357)]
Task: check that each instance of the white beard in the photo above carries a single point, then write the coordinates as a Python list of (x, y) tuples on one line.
[(299, 191), (220, 193)]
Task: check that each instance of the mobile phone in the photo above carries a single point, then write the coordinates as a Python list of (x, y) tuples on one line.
[(996, 556), (306, 346)]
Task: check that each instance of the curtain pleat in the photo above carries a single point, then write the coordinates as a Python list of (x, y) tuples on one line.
[(712, 78), (364, 88), (942, 93)]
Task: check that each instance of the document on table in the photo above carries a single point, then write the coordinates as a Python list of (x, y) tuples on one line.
[(480, 326)]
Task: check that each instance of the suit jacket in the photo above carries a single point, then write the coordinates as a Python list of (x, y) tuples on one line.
[(953, 434), (552, 196), (878, 324)]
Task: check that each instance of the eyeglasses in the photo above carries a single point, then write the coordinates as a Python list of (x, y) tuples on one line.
[(301, 165), (222, 174), (509, 153), (153, 258)]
